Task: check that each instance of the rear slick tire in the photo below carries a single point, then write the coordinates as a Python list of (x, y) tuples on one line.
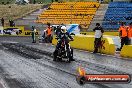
[(68, 56), (55, 56)]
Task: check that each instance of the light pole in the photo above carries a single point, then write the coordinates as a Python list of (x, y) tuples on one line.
[(71, 14), (10, 14)]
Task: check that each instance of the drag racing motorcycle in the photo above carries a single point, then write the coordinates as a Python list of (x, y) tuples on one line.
[(64, 52)]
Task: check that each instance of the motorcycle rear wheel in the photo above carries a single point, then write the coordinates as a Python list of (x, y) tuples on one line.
[(55, 55), (68, 56)]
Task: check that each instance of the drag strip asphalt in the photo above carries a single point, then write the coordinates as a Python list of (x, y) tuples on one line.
[(31, 66)]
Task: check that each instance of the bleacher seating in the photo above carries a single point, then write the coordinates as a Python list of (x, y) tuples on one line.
[(80, 13), (117, 12)]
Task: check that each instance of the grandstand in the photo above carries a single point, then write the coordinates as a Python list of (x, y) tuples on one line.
[(117, 12), (69, 12)]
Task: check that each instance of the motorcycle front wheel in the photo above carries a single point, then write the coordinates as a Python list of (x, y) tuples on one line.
[(68, 56)]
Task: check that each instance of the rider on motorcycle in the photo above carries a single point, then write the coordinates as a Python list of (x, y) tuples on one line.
[(64, 34)]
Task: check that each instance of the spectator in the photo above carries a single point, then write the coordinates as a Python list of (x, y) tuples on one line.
[(58, 30), (94, 6), (102, 1), (44, 36), (11, 23), (129, 18), (34, 1), (49, 32), (123, 35), (130, 33), (33, 34), (98, 35), (2, 21)]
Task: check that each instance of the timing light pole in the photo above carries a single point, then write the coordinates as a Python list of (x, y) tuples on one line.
[(71, 13)]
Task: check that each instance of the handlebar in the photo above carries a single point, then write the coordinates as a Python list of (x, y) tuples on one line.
[(69, 40)]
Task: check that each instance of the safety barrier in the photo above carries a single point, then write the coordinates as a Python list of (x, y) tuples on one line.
[(86, 42), (126, 51), (16, 31)]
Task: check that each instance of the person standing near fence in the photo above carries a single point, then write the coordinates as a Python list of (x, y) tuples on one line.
[(98, 35), (2, 21), (33, 34), (49, 33), (130, 34), (123, 34)]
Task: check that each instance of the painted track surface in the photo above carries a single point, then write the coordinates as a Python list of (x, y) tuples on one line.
[(22, 72)]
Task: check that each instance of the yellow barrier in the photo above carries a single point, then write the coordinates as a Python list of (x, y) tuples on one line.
[(105, 33), (108, 46), (19, 27), (83, 42), (126, 51), (86, 42)]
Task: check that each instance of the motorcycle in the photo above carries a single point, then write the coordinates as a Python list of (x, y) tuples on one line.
[(64, 52)]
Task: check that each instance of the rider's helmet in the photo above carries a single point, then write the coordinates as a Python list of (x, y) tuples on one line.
[(63, 29)]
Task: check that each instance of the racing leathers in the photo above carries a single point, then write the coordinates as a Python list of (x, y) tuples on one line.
[(63, 36)]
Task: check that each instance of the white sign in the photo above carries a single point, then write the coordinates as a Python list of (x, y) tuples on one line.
[(73, 28), (12, 31)]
